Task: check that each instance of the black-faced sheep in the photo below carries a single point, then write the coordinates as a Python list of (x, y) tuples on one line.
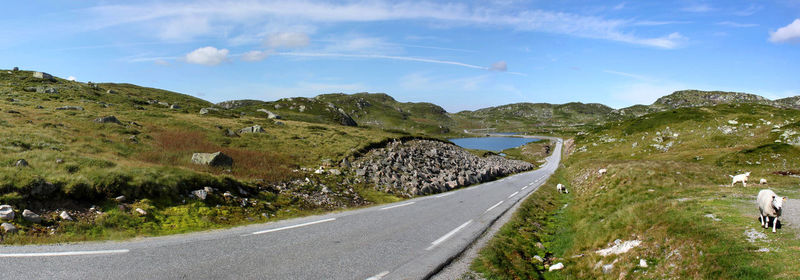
[(561, 188)]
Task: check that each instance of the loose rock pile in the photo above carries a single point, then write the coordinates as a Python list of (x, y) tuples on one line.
[(420, 167)]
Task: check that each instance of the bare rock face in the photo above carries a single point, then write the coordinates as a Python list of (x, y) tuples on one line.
[(42, 75), (30, 216), (270, 114), (9, 228), (107, 119), (6, 212), (70, 108), (205, 111), (65, 216), (212, 159), (252, 129)]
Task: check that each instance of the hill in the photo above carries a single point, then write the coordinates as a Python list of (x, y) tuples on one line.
[(534, 116)]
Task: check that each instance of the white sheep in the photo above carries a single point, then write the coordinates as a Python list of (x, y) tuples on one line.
[(602, 171), (769, 205), (762, 181), (561, 188), (740, 178)]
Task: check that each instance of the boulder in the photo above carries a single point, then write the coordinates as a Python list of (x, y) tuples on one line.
[(252, 129), (608, 268), (21, 163), (16, 69), (642, 263), (174, 106), (42, 75), (111, 91), (120, 198), (6, 212), (200, 194), (141, 211), (65, 216), (204, 111), (212, 159), (9, 228), (230, 133), (28, 215), (270, 115), (162, 103), (107, 119), (70, 108), (557, 266)]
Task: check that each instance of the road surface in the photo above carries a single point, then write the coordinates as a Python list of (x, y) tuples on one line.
[(411, 239)]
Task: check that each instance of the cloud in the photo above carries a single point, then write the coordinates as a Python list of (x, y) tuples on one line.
[(253, 56), (736, 24), (698, 8), (499, 66), (619, 6), (287, 40), (72, 78), (379, 56), (207, 56), (184, 28), (750, 10), (789, 33), (244, 15), (658, 23)]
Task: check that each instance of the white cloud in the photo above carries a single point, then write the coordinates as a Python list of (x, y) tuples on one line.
[(736, 24), (379, 56), (253, 56), (698, 8), (789, 33), (72, 78), (359, 44), (250, 13), (287, 40), (207, 56), (183, 28), (499, 66)]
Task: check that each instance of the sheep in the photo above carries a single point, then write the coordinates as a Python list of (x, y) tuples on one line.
[(762, 181), (740, 178), (602, 171), (561, 188), (769, 205)]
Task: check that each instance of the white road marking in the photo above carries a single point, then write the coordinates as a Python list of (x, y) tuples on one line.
[(493, 206), (60, 254), (378, 276), (525, 187), (448, 235), (443, 195), (294, 226), (398, 205), (513, 194)]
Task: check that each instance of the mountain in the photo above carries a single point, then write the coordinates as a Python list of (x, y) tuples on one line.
[(520, 116)]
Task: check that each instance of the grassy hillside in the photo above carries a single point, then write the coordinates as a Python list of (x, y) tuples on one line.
[(534, 117), (666, 186)]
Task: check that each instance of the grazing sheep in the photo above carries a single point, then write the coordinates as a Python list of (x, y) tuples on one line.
[(740, 178), (762, 181), (769, 205), (561, 188), (602, 171)]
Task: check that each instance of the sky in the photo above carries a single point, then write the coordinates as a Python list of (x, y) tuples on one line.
[(461, 55)]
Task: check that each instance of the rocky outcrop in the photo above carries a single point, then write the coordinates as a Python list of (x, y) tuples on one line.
[(204, 111), (212, 159), (6, 212), (30, 216), (270, 114), (43, 75), (252, 129), (421, 167), (9, 228), (107, 119), (70, 108)]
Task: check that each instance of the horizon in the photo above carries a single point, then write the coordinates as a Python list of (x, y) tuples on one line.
[(461, 56)]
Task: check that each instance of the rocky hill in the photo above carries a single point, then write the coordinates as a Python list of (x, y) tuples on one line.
[(513, 117), (697, 98)]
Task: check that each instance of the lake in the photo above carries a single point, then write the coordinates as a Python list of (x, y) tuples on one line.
[(495, 144)]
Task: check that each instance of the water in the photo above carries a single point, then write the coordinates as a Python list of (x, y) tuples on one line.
[(494, 144)]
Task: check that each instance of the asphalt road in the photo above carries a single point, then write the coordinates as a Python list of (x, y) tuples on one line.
[(410, 239)]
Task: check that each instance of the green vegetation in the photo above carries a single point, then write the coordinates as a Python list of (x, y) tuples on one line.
[(667, 186), (533, 152)]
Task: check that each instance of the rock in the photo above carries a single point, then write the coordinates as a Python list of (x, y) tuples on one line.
[(13, 112), (120, 198), (141, 211), (162, 103), (65, 216), (619, 247), (107, 119), (28, 215), (538, 258), (111, 91), (325, 190), (21, 163), (270, 114), (42, 75), (227, 194), (9, 228), (608, 268), (16, 69), (70, 108), (230, 133), (642, 263), (335, 172), (208, 189), (6, 212), (133, 139), (59, 160), (174, 106), (557, 266), (200, 194), (212, 159), (204, 111), (252, 129)]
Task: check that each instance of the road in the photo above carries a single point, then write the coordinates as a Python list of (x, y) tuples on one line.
[(411, 239)]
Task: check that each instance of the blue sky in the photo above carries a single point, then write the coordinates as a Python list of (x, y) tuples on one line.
[(460, 55)]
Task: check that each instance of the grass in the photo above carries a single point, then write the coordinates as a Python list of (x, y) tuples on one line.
[(661, 197)]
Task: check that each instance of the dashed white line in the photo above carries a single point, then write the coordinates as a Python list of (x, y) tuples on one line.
[(525, 187), (448, 235), (493, 206), (398, 205), (513, 194), (294, 226), (61, 254), (443, 195), (378, 276)]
